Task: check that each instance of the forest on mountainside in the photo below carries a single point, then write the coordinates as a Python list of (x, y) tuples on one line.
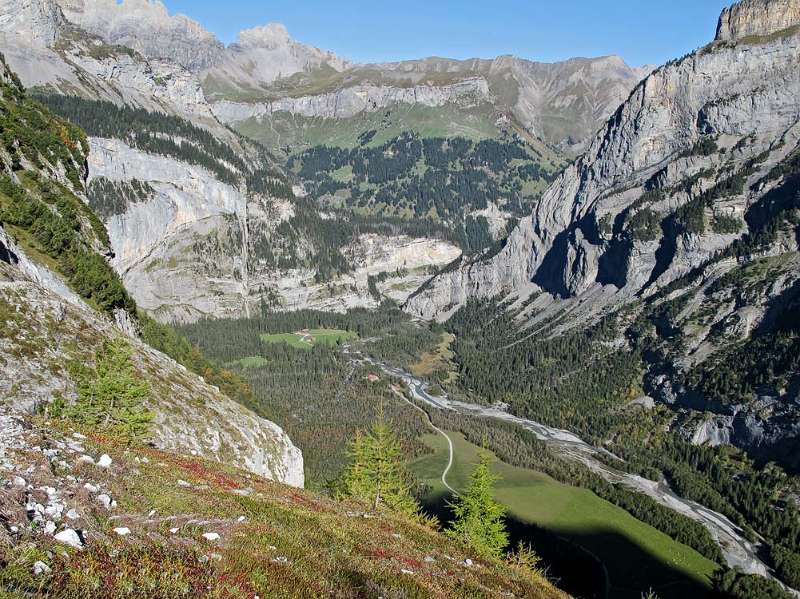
[(444, 180)]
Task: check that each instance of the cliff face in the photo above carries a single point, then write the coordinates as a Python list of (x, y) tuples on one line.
[(685, 202), (757, 18), (60, 302), (146, 27), (31, 21), (580, 237)]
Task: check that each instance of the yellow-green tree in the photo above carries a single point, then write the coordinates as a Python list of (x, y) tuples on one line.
[(479, 520), (111, 395), (377, 473)]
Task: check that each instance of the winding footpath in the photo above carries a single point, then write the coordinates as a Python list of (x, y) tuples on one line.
[(738, 551), (446, 471)]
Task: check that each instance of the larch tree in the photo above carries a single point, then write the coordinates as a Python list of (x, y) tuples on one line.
[(480, 520), (377, 472)]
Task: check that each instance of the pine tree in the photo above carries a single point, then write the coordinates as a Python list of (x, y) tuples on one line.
[(111, 395), (479, 519), (377, 473)]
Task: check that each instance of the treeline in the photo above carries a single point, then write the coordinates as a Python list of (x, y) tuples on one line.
[(169, 135), (60, 226), (29, 130)]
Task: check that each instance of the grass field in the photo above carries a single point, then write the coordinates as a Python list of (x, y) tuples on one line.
[(636, 556), (437, 361), (309, 338)]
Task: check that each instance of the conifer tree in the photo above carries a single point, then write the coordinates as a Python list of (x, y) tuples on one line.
[(377, 473), (479, 519), (111, 395)]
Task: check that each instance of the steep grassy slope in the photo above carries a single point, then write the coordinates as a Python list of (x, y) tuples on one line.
[(182, 527)]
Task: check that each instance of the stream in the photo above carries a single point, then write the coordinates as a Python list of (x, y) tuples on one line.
[(738, 551)]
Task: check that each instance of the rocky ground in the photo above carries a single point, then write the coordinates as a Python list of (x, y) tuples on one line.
[(82, 515)]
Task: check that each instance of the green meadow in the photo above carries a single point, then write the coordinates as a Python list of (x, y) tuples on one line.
[(635, 555), (310, 338)]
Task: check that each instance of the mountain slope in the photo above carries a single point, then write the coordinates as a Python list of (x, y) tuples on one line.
[(62, 304), (687, 200), (166, 525)]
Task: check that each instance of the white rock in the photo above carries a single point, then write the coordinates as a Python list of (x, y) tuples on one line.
[(404, 571), (91, 488), (211, 536), (50, 528), (468, 563), (105, 461), (173, 530), (105, 501), (19, 483), (184, 484), (122, 531), (69, 537), (241, 519), (40, 568), (86, 459), (73, 514), (78, 436)]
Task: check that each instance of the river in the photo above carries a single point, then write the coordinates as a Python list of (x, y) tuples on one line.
[(738, 551)]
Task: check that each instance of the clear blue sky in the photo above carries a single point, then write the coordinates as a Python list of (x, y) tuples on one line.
[(641, 31)]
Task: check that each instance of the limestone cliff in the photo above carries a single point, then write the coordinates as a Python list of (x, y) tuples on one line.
[(741, 100), (757, 18), (60, 302), (683, 210)]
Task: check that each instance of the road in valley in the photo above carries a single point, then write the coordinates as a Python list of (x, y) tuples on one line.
[(738, 551)]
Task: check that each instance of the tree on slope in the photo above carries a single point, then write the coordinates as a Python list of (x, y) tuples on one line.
[(111, 395), (377, 472), (479, 519)]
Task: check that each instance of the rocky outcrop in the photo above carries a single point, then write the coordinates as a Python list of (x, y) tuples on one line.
[(744, 97), (147, 27), (49, 330), (757, 18), (33, 22), (352, 101)]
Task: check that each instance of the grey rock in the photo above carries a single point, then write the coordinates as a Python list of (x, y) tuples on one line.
[(757, 18), (69, 537)]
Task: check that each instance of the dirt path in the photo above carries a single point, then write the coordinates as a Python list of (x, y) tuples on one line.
[(438, 430)]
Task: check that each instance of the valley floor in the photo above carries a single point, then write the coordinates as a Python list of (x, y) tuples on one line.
[(634, 555)]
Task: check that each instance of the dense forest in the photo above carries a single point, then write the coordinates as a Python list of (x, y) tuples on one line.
[(436, 179), (316, 394)]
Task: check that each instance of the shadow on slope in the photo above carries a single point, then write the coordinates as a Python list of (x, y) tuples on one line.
[(593, 564)]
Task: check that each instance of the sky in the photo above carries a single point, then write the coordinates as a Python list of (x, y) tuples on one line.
[(641, 31)]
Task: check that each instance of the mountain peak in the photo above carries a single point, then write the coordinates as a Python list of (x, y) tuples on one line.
[(147, 27), (269, 36), (757, 17)]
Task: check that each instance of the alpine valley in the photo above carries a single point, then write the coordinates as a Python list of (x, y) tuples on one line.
[(521, 329)]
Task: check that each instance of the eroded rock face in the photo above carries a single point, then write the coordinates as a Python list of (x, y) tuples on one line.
[(757, 18), (575, 241), (34, 22), (192, 417), (147, 27), (352, 101)]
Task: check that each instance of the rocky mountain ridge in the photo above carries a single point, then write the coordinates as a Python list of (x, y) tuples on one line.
[(681, 201), (757, 18)]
